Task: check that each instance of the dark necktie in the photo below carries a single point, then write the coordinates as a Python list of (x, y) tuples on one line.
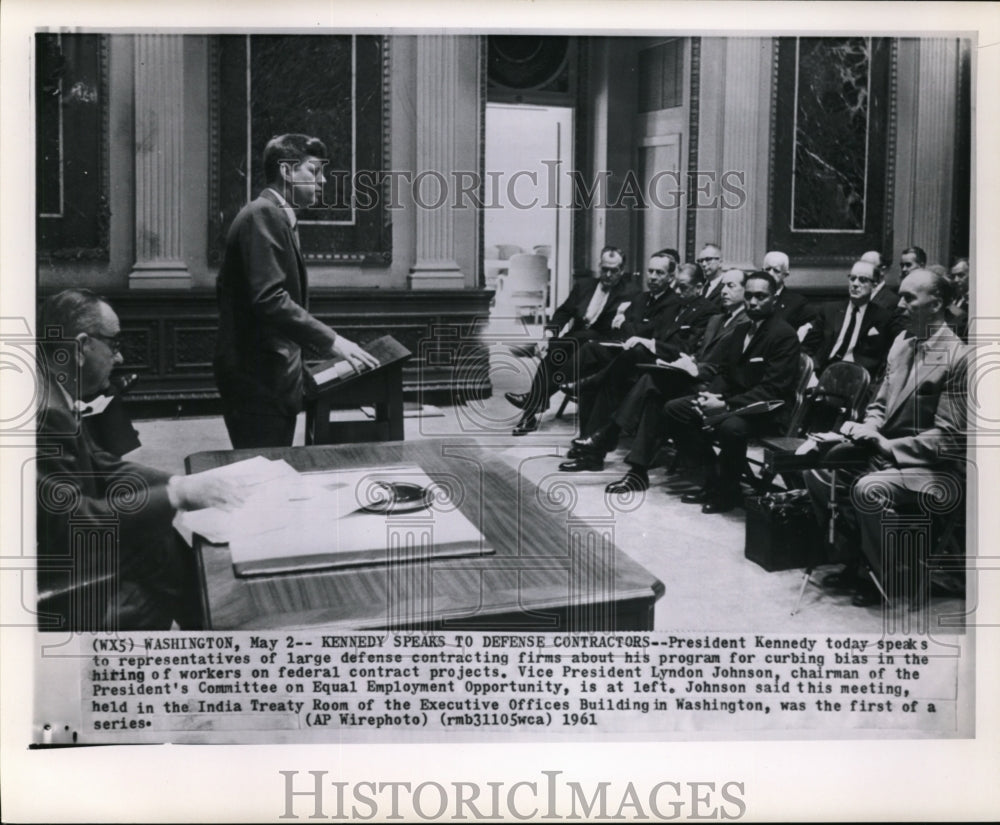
[(845, 343)]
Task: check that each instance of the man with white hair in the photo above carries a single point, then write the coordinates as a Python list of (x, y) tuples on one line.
[(789, 306)]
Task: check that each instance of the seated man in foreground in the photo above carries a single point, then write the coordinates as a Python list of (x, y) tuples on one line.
[(586, 315), (912, 439), (90, 501)]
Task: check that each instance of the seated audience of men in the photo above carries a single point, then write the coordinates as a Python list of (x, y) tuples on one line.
[(855, 330), (758, 362), (677, 329), (610, 414), (82, 490), (636, 321), (585, 315), (912, 433)]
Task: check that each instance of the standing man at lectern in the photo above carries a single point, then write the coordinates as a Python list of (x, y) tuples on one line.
[(263, 302)]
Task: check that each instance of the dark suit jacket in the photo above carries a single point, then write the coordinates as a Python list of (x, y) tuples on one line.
[(645, 312), (575, 306), (715, 295), (86, 494), (263, 312), (716, 333), (794, 309), (766, 371), (887, 298), (878, 330), (682, 330)]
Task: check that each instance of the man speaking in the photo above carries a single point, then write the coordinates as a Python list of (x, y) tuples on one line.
[(263, 302)]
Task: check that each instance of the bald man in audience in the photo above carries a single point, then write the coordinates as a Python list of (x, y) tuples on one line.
[(912, 439)]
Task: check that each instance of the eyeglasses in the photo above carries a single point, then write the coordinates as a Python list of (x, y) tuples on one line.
[(112, 342), (657, 271), (706, 260), (775, 269), (863, 279)]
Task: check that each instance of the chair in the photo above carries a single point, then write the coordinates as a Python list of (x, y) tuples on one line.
[(838, 396), (524, 286), (507, 250)]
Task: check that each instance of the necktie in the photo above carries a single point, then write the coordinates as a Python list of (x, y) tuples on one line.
[(840, 350), (751, 332)]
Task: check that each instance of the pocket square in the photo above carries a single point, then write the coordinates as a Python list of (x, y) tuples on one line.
[(755, 360), (872, 332)]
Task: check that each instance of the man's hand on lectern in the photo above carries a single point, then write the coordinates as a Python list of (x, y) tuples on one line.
[(355, 356)]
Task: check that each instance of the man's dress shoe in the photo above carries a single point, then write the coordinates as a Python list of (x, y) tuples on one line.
[(583, 464), (631, 482), (574, 388), (589, 444), (527, 424), (719, 505), (518, 399), (699, 496)]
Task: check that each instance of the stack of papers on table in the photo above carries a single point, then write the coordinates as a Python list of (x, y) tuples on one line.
[(294, 522)]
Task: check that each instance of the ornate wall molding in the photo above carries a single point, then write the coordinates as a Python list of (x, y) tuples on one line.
[(168, 339)]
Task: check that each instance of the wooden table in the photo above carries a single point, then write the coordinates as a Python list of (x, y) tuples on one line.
[(552, 570)]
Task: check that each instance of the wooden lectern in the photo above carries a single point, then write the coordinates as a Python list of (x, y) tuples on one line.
[(333, 385)]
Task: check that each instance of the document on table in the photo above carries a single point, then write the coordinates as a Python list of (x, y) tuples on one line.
[(275, 492), (343, 519)]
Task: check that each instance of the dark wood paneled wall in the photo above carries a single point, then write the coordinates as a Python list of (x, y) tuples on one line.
[(169, 340)]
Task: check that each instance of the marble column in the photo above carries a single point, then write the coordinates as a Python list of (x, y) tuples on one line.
[(159, 161), (437, 80)]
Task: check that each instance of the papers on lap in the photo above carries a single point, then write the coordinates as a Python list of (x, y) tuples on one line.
[(294, 523)]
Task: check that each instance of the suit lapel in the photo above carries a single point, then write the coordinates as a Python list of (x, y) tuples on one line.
[(939, 354)]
